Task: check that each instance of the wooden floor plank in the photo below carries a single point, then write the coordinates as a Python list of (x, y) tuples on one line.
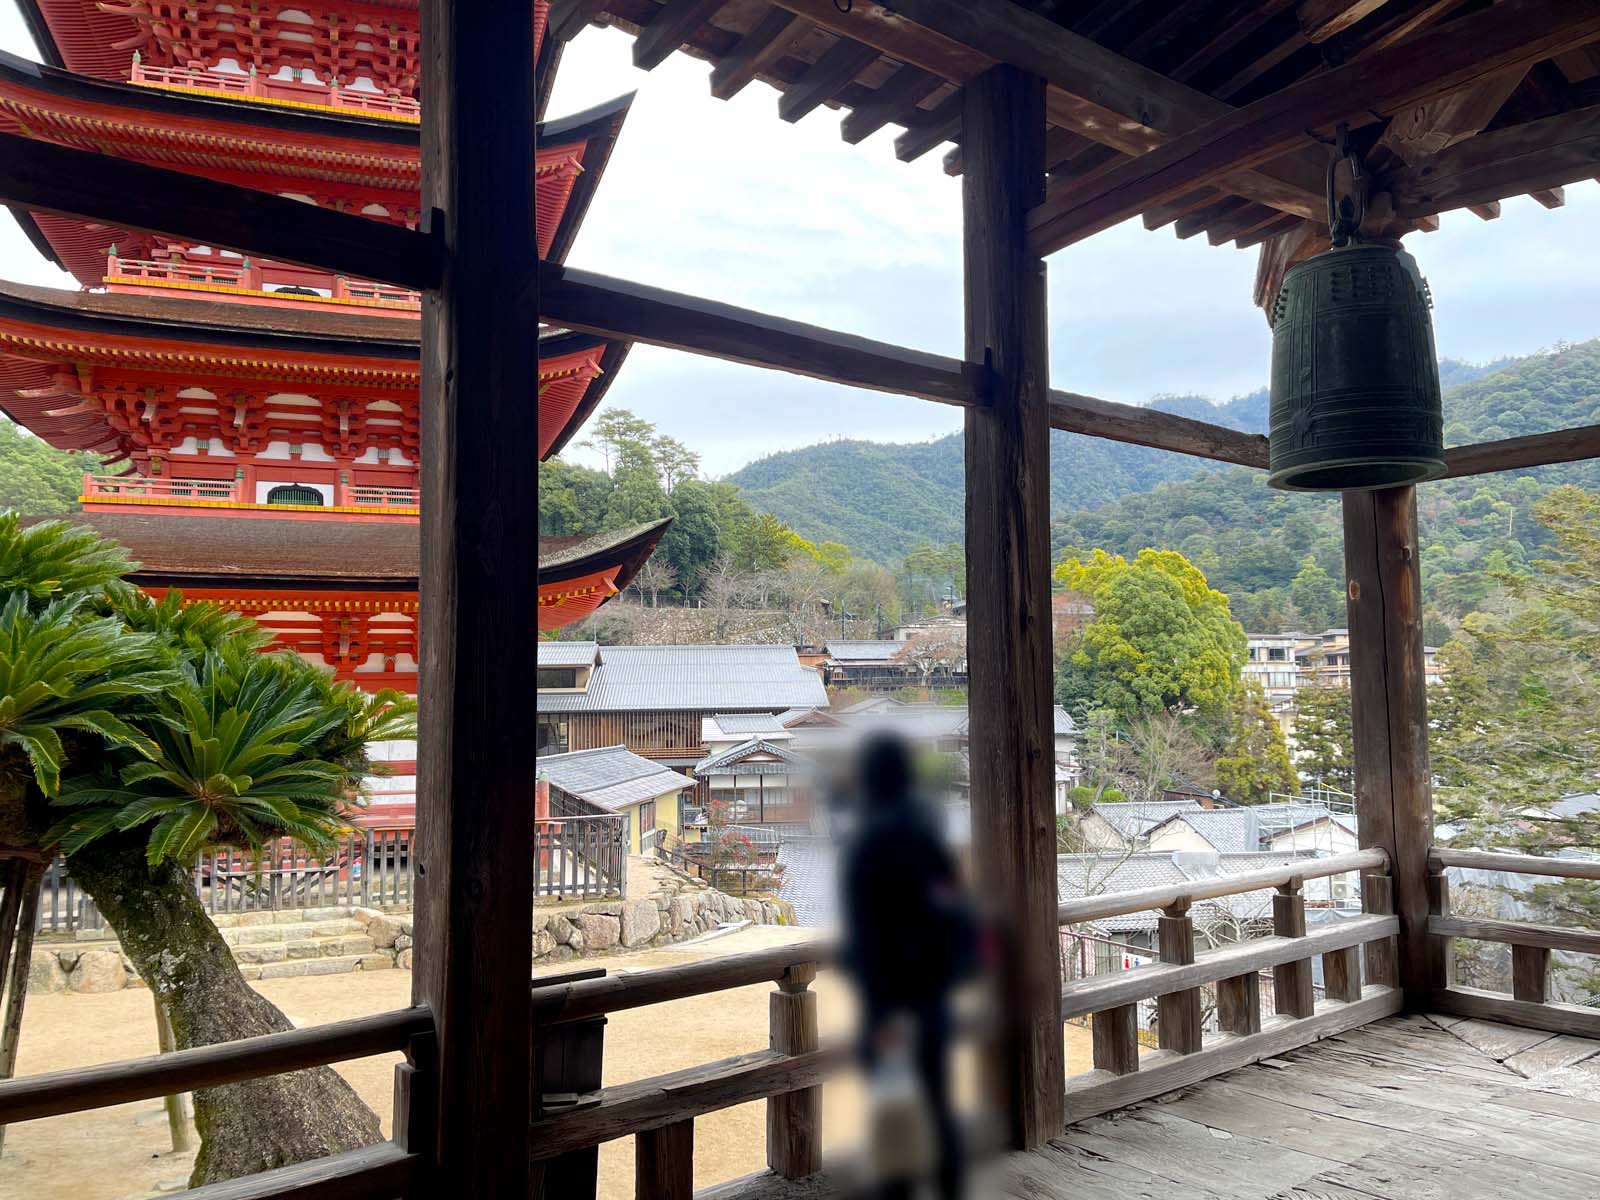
[(1237, 1111), (1498, 1041), (1410, 1170), (1187, 1152), (1560, 1051)]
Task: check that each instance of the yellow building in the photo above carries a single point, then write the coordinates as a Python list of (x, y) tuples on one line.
[(612, 780)]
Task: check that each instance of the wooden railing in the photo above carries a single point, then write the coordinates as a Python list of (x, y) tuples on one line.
[(1529, 1004), (378, 1172), (1186, 1054), (146, 489), (659, 1112), (581, 856), (257, 86)]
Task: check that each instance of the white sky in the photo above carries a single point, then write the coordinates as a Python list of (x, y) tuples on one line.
[(723, 200)]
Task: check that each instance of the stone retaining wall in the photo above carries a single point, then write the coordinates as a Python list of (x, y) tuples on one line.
[(332, 941)]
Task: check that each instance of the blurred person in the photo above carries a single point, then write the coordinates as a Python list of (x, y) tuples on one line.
[(910, 938)]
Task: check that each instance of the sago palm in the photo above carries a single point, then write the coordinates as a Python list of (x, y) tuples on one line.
[(247, 747)]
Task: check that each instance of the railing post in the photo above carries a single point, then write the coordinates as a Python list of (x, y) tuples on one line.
[(794, 1119), (1178, 1013), (663, 1162), (1239, 1004), (1530, 973), (1441, 951), (1115, 1035), (1377, 897), (368, 843), (1293, 995)]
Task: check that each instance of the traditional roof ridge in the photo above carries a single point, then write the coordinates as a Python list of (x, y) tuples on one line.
[(743, 750)]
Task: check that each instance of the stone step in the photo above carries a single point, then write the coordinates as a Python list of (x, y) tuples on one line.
[(256, 935), (339, 965), (291, 916), (305, 948)]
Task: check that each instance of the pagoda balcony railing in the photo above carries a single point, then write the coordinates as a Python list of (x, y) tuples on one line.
[(282, 91), (143, 489), (252, 279)]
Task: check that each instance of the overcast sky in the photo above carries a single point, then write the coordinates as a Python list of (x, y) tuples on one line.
[(723, 200)]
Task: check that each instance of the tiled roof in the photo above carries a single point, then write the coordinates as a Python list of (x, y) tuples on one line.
[(611, 777), (565, 654), (693, 678), (1135, 818), (879, 651), (749, 723), (718, 763), (1229, 830), (1115, 871), (810, 873), (1064, 722)]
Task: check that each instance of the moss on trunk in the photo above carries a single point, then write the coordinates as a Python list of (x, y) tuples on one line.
[(244, 1127)]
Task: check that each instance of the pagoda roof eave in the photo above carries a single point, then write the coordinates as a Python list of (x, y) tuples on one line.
[(563, 559), (554, 343)]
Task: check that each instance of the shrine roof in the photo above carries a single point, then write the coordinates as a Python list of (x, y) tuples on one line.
[(180, 551), (358, 158)]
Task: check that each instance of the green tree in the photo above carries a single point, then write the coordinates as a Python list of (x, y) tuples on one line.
[(573, 500), (35, 477), (676, 462), (1322, 738), (1513, 722), (616, 431), (1316, 595), (134, 733), (694, 539), (762, 543), (1161, 638), (1255, 761)]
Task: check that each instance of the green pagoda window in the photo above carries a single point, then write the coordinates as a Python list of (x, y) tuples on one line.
[(294, 493)]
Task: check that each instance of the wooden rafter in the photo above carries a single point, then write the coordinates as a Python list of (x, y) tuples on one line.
[(1533, 157), (1433, 64)]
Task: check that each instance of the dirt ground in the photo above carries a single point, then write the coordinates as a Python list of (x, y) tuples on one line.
[(125, 1153)]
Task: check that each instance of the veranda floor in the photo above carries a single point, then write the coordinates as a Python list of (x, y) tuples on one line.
[(1408, 1108)]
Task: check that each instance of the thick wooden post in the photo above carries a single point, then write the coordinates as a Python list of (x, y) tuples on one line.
[(663, 1162), (1008, 573), (1389, 706), (1530, 973), (474, 904), (1239, 1004), (1377, 896), (794, 1119), (1114, 1034)]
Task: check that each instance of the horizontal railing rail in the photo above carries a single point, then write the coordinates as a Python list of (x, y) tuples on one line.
[(1117, 904), (259, 86), (80, 1089), (1358, 967), (1530, 1004)]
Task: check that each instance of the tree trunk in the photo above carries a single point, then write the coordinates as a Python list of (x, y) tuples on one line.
[(244, 1127)]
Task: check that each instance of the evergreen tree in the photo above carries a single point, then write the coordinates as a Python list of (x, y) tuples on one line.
[(1255, 761), (1322, 737)]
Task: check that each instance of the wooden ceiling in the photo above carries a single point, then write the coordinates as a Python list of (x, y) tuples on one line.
[(1458, 103)]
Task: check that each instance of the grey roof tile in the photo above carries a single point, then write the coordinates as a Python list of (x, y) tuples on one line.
[(611, 777), (565, 654), (694, 678), (1135, 818), (810, 879), (864, 651)]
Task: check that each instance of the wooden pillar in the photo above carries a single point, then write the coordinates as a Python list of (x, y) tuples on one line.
[(1114, 1033), (1008, 568), (474, 904), (1389, 707), (663, 1162), (1530, 973), (1239, 1004)]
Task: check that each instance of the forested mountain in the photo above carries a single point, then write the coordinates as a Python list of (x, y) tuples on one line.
[(880, 499), (36, 479), (1252, 542)]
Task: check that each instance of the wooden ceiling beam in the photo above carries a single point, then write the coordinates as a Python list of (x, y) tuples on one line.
[(894, 99), (1522, 453), (117, 191), (837, 66), (1140, 426), (1247, 220), (755, 52), (1485, 212), (670, 28), (569, 18), (1432, 64), (1322, 19), (1537, 156), (1554, 197), (1165, 214), (1266, 233), (1198, 221), (591, 303)]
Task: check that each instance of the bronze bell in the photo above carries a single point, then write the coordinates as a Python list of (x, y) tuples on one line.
[(1355, 379)]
